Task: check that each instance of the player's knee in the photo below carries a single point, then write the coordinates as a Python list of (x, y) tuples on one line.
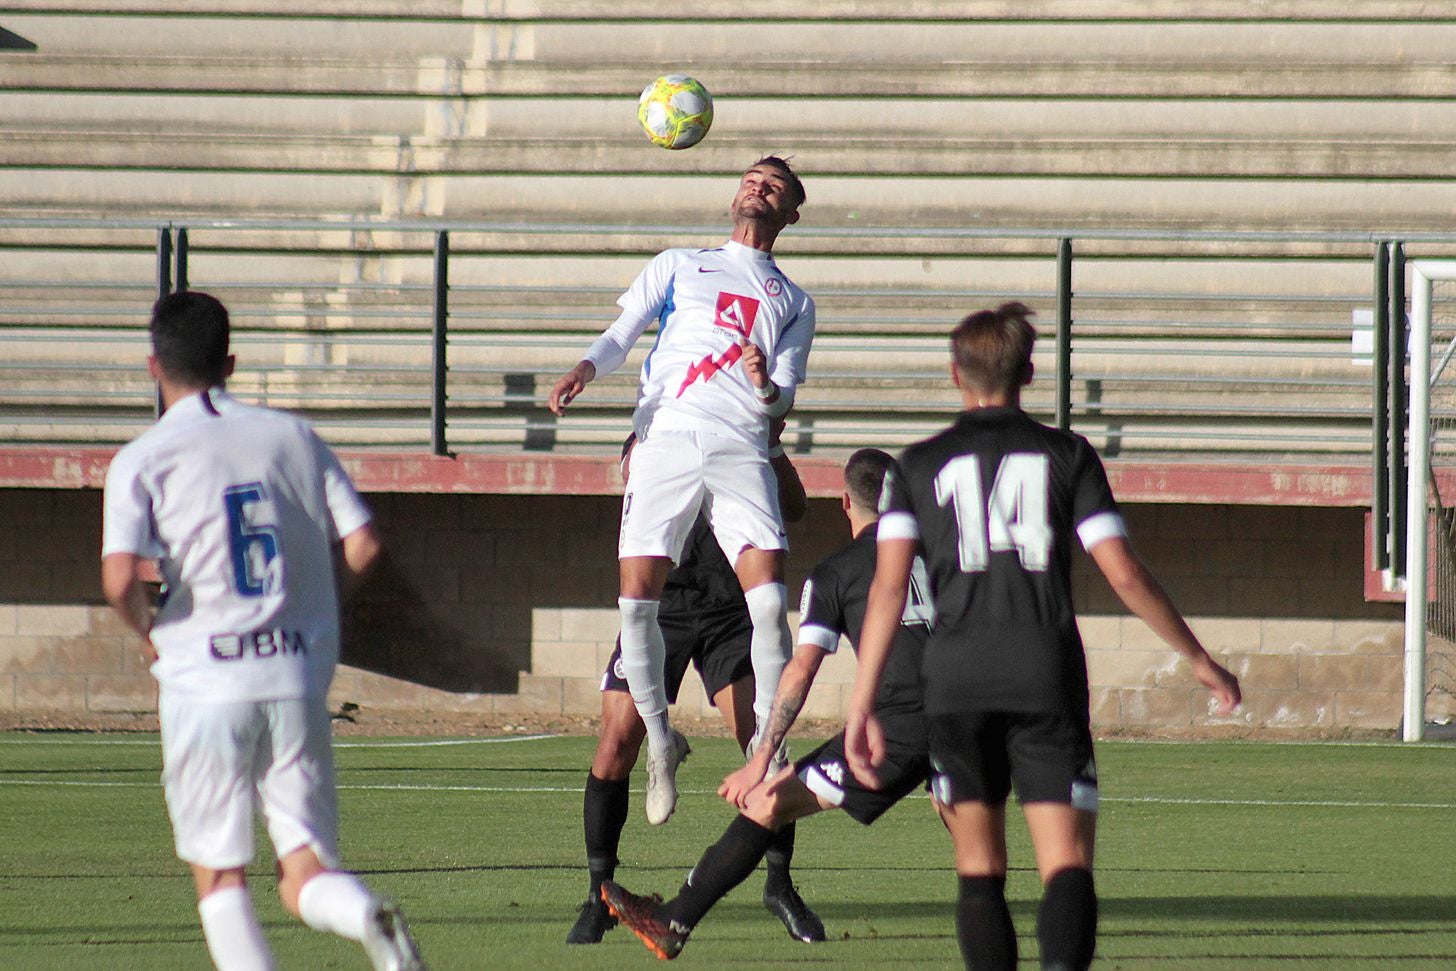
[(768, 810), (637, 612), (764, 813), (768, 604), (209, 881), (294, 870), (620, 741)]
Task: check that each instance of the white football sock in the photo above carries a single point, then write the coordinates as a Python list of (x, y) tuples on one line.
[(336, 903), (768, 607), (643, 655), (230, 926)]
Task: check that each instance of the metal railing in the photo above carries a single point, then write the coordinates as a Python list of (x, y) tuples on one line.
[(1170, 345)]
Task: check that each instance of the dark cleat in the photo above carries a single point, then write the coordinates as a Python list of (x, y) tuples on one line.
[(593, 921), (647, 918), (801, 922)]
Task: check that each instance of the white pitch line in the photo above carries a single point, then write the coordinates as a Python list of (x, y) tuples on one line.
[(576, 790), (443, 742), (154, 743)]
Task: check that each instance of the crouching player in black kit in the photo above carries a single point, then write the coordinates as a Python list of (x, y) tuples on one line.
[(833, 605), (994, 503), (705, 623)]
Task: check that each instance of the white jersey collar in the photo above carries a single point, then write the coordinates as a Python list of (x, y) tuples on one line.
[(739, 251), (200, 404)]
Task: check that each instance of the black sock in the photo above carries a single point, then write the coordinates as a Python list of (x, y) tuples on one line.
[(983, 925), (1066, 923), (603, 814), (724, 865), (780, 854)]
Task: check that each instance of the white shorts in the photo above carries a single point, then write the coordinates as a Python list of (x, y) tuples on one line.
[(220, 762), (676, 473)]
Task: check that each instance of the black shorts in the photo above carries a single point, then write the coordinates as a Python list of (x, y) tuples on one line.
[(907, 767), (977, 756), (716, 642)]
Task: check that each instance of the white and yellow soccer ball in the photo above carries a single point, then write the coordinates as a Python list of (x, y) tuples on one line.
[(675, 111)]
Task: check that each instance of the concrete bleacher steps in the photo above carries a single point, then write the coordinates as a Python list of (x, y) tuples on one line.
[(1279, 117), (463, 104)]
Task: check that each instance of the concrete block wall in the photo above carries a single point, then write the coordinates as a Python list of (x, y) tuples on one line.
[(60, 648), (504, 605)]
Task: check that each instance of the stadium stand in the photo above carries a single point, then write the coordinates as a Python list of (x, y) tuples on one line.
[(1223, 177)]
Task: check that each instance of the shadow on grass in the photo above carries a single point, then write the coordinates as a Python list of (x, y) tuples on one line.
[(1255, 910)]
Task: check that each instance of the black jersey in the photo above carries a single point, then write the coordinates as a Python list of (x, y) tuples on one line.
[(996, 501), (703, 579), (833, 604)]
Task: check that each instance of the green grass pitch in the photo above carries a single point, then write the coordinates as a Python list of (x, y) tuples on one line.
[(1210, 855)]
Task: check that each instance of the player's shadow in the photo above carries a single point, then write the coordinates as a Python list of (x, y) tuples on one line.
[(394, 628), (1255, 910)]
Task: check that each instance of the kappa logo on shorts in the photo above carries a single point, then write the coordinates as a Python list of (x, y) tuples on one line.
[(833, 771)]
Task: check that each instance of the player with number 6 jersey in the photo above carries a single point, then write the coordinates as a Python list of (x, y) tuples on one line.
[(244, 503), (996, 502), (246, 509)]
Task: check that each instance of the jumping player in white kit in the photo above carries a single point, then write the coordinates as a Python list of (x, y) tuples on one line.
[(246, 509), (732, 343)]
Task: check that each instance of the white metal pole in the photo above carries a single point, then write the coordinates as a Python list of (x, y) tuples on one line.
[(1418, 441)]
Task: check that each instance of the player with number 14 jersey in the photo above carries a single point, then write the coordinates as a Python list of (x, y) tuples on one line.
[(997, 482)]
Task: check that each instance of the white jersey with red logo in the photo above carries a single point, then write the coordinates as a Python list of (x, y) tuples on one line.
[(243, 505), (704, 301)]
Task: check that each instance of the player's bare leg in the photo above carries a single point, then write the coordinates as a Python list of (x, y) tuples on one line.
[(735, 704), (643, 656), (338, 903), (1066, 922), (761, 573), (983, 921), (229, 923), (604, 809)]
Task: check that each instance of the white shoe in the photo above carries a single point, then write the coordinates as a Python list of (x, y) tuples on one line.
[(388, 942), (662, 780), (776, 763)]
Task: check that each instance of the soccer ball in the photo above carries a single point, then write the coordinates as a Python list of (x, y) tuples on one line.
[(675, 111)]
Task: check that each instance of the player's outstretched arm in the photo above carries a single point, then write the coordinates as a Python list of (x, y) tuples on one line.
[(794, 684), (793, 500), (121, 583), (358, 553), (863, 742), (1136, 587), (569, 385)]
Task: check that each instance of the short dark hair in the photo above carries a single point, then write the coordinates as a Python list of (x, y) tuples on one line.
[(782, 164), (992, 348), (864, 476), (190, 338)]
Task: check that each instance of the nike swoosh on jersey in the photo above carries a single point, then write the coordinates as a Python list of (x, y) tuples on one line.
[(704, 269)]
